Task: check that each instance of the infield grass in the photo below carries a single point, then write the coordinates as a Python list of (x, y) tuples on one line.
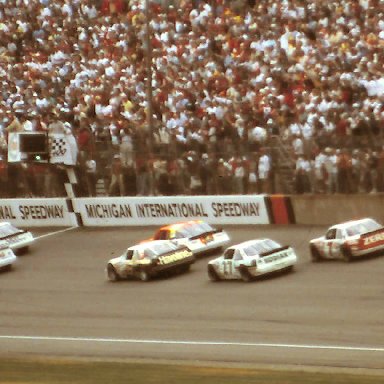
[(62, 371)]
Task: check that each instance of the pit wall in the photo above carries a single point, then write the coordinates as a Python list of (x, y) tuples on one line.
[(142, 211), (216, 210), (332, 209)]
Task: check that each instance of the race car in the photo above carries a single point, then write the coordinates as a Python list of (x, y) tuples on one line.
[(349, 240), (146, 260), (17, 239), (7, 257), (197, 235), (250, 259)]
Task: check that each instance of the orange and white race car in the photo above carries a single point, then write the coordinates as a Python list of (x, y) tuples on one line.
[(349, 240), (197, 235)]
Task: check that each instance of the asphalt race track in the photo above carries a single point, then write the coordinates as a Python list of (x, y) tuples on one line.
[(57, 301)]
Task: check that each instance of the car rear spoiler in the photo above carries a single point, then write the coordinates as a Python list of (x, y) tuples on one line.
[(372, 232), (274, 251), (206, 234), (180, 248), (21, 231)]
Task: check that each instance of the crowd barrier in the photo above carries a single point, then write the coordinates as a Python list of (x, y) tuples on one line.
[(216, 210), (332, 209), (141, 211)]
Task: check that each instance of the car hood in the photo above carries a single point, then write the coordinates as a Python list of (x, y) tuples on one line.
[(321, 238), (115, 260)]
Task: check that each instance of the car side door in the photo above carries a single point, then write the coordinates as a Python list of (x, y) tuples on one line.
[(237, 261), (229, 265), (127, 263), (225, 266), (332, 243)]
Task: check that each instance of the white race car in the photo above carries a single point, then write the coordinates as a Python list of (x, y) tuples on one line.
[(349, 240), (146, 260), (7, 257), (250, 259), (17, 239), (197, 235)]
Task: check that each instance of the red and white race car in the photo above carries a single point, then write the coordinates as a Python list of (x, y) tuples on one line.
[(349, 240)]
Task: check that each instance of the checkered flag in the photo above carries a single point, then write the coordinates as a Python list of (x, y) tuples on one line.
[(60, 152)]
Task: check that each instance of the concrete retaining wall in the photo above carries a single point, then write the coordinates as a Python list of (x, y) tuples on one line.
[(332, 209)]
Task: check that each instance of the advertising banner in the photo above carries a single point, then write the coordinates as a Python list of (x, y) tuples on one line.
[(160, 210), (38, 212)]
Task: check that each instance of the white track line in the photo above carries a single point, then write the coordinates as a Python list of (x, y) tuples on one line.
[(55, 233), (189, 342)]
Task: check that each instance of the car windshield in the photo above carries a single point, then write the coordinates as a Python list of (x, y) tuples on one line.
[(363, 227), (8, 229), (261, 247), (156, 249)]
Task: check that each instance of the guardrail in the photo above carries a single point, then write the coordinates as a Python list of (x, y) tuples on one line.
[(217, 210)]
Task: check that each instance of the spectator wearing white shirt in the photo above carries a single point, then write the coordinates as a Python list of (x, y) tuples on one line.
[(302, 175), (264, 171), (257, 137)]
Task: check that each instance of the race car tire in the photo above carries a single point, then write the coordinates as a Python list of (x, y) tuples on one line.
[(6, 268), (144, 275), (185, 268), (112, 274), (22, 250), (315, 254), (212, 274), (346, 254), (290, 269), (245, 275)]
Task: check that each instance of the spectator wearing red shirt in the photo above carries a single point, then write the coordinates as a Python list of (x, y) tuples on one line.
[(85, 142), (110, 7)]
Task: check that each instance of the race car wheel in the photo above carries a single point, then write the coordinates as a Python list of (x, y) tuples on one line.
[(144, 275), (112, 274), (185, 268), (315, 254), (245, 275), (6, 268), (22, 250), (346, 254), (213, 276), (290, 269)]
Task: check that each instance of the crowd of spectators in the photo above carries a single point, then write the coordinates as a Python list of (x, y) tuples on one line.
[(187, 101)]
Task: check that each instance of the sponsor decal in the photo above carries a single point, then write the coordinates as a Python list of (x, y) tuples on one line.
[(206, 239), (167, 259), (277, 256), (14, 240), (378, 237), (41, 212), (235, 209)]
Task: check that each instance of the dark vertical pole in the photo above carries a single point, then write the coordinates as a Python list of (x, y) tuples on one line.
[(149, 75)]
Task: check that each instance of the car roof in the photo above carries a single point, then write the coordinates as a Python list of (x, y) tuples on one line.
[(247, 243), (176, 226), (147, 244), (349, 223)]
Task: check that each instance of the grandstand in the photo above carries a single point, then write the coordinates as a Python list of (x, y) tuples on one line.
[(195, 97)]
